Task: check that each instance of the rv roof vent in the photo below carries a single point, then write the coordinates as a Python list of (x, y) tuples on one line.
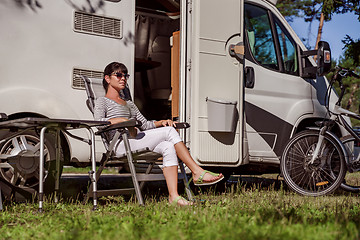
[(78, 83), (98, 25)]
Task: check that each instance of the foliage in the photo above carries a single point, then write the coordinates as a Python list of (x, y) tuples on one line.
[(352, 49), (291, 9), (240, 213), (90, 6), (351, 99), (312, 9), (33, 4), (321, 10), (352, 84)]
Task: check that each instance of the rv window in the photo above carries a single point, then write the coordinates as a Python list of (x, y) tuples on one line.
[(260, 38), (288, 50)]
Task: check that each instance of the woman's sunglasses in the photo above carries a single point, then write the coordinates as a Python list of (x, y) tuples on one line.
[(121, 75)]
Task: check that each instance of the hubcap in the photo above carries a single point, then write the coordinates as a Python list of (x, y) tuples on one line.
[(22, 168)]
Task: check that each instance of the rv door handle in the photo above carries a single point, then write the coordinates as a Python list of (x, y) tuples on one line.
[(249, 77), (237, 51)]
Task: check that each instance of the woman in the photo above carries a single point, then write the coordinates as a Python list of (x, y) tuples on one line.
[(158, 136)]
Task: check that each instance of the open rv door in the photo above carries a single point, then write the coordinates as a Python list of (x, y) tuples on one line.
[(216, 82)]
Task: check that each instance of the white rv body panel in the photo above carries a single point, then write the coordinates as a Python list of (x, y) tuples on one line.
[(40, 50)]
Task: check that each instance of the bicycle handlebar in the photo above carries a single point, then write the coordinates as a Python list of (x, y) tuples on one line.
[(340, 73), (344, 72), (354, 74)]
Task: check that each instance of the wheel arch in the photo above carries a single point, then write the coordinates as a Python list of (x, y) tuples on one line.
[(306, 122), (65, 145)]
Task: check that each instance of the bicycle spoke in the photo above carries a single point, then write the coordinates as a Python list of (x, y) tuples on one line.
[(297, 155), (303, 180), (327, 175)]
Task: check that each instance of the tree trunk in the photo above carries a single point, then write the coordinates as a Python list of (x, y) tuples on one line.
[(352, 97), (321, 24)]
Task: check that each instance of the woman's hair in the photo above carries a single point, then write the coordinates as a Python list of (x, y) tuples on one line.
[(110, 68)]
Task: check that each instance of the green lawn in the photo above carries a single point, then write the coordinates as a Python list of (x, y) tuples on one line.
[(85, 170), (241, 212)]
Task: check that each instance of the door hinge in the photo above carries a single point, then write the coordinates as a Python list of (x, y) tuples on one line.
[(188, 65), (189, 6)]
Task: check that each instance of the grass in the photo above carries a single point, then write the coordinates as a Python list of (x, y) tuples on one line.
[(85, 170), (353, 178), (241, 212)]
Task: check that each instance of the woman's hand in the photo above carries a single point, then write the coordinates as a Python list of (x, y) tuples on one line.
[(118, 120), (164, 123)]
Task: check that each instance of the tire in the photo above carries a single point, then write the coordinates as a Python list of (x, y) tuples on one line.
[(351, 182), (321, 178), (19, 176)]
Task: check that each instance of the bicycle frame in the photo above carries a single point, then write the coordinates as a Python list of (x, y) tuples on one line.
[(322, 132)]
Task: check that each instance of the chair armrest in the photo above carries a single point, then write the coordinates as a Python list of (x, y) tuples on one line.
[(121, 125), (135, 123), (182, 125)]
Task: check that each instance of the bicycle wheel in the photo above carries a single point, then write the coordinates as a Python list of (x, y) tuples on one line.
[(316, 179), (351, 182)]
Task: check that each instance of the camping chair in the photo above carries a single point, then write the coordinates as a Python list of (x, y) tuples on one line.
[(94, 90)]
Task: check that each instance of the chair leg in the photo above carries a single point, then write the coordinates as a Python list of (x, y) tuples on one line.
[(94, 177), (104, 160), (186, 182), (132, 169)]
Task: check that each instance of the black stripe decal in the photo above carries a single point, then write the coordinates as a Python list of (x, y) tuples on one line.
[(264, 121)]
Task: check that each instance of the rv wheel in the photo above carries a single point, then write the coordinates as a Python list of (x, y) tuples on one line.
[(19, 173)]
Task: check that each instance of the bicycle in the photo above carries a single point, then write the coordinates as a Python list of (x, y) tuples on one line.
[(315, 161)]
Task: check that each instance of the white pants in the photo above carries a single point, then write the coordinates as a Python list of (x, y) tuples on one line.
[(160, 140)]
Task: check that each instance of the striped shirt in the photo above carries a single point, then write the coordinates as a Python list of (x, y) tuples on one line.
[(106, 109)]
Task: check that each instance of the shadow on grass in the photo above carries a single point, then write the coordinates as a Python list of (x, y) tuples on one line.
[(158, 190), (73, 187), (245, 183)]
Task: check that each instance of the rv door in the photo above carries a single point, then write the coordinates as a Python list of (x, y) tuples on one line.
[(216, 82)]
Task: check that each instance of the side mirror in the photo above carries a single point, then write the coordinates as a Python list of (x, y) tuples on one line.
[(323, 58)]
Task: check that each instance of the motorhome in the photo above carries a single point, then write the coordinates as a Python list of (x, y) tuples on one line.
[(234, 69)]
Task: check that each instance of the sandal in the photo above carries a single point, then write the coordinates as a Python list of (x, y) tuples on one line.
[(200, 180), (175, 202)]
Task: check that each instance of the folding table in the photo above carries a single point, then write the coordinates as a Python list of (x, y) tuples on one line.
[(58, 125)]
